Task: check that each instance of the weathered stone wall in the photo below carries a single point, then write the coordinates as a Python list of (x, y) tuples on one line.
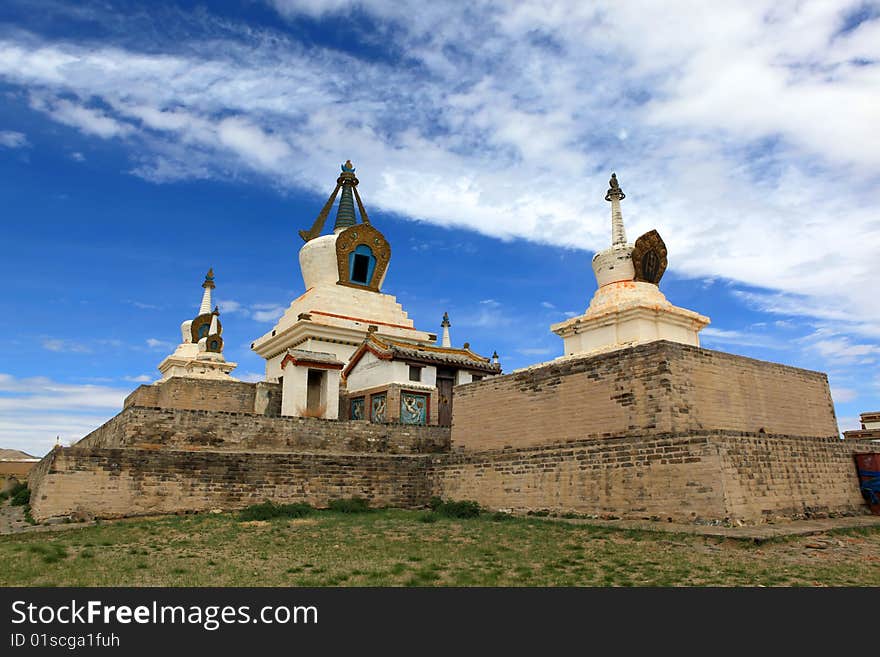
[(686, 478), (678, 478), (711, 476), (207, 395), (126, 482), (657, 388), (789, 476), (169, 428)]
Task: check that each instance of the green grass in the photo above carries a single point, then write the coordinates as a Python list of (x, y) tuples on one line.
[(389, 547)]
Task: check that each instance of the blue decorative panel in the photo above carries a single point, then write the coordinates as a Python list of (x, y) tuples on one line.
[(357, 409), (378, 408), (413, 408)]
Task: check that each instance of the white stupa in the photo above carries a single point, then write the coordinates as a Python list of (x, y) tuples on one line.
[(628, 308), (342, 273), (200, 354)]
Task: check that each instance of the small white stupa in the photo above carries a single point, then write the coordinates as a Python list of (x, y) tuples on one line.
[(200, 354), (628, 308)]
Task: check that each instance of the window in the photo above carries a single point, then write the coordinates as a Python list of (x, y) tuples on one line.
[(415, 373), (203, 330), (361, 264), (477, 377)]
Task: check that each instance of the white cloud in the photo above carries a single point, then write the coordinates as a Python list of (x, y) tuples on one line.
[(250, 377), (843, 349), (159, 345), (13, 139), (266, 312), (87, 120), (506, 118), (537, 351), (713, 335), (33, 411), (141, 378), (69, 346), (843, 395)]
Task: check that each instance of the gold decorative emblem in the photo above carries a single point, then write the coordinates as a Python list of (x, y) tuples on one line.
[(649, 257), (203, 321), (349, 240)]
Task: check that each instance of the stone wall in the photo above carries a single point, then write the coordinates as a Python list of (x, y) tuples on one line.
[(111, 483), (657, 388), (207, 395), (685, 478), (676, 478), (788, 476), (703, 477), (168, 428)]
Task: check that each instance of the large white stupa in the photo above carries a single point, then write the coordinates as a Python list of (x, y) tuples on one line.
[(343, 302), (628, 307)]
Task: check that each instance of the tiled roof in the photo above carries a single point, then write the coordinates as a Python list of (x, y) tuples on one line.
[(397, 349)]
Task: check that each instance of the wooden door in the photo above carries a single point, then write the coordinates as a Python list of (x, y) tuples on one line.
[(444, 402)]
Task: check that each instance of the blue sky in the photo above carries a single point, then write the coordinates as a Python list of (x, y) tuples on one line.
[(141, 144)]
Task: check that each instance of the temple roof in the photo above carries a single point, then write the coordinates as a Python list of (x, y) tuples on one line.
[(386, 349)]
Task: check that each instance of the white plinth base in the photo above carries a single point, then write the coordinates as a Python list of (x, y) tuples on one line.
[(625, 314), (189, 362)]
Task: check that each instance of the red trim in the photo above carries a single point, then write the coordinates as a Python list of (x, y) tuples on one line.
[(365, 321), (310, 363), (360, 354)]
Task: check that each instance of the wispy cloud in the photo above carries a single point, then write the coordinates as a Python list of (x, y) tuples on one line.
[(13, 139), (69, 346), (488, 313), (159, 345), (259, 312), (713, 335), (140, 378), (504, 103), (33, 411)]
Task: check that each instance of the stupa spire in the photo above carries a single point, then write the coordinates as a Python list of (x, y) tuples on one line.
[(445, 342), (345, 215), (615, 195), (205, 308)]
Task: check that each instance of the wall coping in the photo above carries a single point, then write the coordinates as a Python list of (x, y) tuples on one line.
[(657, 346)]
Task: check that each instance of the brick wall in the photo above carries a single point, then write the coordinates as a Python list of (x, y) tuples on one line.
[(170, 428), (710, 476), (688, 478), (676, 478), (126, 482), (207, 395), (656, 388), (788, 476)]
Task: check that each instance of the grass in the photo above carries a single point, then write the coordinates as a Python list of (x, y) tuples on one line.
[(388, 547)]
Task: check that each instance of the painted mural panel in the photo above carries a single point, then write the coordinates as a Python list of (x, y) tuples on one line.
[(357, 409), (378, 408), (413, 408)]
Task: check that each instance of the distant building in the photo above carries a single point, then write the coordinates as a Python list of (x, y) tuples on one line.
[(870, 428), (15, 463)]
